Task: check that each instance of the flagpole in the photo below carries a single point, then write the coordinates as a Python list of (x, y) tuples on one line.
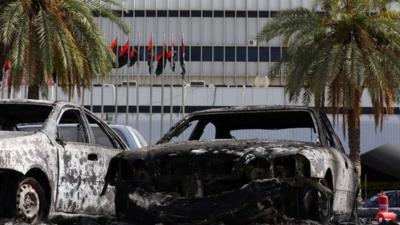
[(170, 84), (128, 75), (162, 87), (151, 91), (183, 76), (137, 84)]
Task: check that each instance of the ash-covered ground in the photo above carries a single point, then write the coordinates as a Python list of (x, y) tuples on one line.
[(95, 220)]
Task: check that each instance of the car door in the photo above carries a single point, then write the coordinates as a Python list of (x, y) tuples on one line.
[(106, 145), (76, 189)]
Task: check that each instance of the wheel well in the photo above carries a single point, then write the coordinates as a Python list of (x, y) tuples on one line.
[(8, 180), (43, 180), (329, 178)]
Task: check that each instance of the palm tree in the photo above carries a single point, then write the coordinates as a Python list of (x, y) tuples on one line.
[(336, 51), (47, 39)]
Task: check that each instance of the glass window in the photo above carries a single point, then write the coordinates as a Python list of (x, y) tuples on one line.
[(123, 137), (264, 14), (71, 128), (264, 54), (207, 13), (196, 13), (184, 13), (275, 54), (241, 54), (253, 52), (100, 135), (229, 13), (218, 54), (207, 54), (218, 13), (230, 54), (139, 13), (240, 13), (252, 14), (162, 13), (195, 56), (173, 13), (150, 13)]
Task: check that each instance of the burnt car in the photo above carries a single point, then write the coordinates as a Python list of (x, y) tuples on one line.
[(51, 162), (236, 166)]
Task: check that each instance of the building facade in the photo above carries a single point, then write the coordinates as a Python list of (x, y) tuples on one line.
[(220, 37)]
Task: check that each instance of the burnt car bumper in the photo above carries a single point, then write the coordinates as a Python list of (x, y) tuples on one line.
[(269, 200)]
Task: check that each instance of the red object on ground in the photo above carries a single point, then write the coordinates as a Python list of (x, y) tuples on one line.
[(383, 211)]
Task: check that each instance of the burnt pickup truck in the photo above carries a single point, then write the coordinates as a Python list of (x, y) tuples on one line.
[(238, 165), (52, 161)]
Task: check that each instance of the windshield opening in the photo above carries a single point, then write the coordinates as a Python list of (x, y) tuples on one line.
[(273, 125)]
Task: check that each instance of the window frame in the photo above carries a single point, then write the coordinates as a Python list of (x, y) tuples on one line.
[(118, 144), (82, 121)]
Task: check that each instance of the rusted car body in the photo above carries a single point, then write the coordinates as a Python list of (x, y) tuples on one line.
[(238, 165), (51, 162)]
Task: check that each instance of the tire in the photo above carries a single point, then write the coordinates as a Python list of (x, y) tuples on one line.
[(315, 205), (30, 201)]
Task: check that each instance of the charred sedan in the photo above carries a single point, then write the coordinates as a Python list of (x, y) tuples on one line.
[(51, 162), (238, 166)]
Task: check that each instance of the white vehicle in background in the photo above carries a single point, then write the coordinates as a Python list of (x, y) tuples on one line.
[(130, 136)]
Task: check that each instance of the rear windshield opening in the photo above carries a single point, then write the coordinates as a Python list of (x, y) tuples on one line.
[(23, 117)]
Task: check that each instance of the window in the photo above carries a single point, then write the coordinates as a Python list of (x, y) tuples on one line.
[(207, 54), (218, 54), (100, 135), (195, 55), (252, 14), (208, 132), (275, 54), (241, 54), (264, 54), (162, 13), (71, 128), (184, 133), (196, 13), (230, 54), (253, 52), (229, 13)]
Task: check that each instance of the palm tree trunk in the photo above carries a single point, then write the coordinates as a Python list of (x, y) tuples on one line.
[(353, 132), (33, 91), (354, 139)]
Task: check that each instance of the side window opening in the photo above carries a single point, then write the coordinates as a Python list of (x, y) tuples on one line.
[(209, 132), (100, 135), (71, 128)]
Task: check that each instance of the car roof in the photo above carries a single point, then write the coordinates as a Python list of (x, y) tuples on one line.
[(260, 108), (35, 102)]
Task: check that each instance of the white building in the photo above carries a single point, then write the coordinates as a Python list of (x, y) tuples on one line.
[(225, 65)]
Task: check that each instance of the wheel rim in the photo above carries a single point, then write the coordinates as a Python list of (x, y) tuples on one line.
[(28, 202)]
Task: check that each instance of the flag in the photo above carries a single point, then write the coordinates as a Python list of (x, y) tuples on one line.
[(162, 59), (122, 56), (150, 54), (114, 44), (6, 73), (171, 56), (182, 57), (133, 56)]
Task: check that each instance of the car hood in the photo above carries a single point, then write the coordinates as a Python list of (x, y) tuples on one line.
[(236, 147)]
